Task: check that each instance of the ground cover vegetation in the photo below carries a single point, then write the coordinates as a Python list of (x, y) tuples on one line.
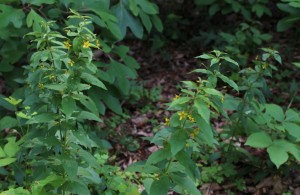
[(149, 97)]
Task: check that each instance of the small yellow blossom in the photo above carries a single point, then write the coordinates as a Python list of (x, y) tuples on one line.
[(176, 97), (167, 121), (51, 77), (192, 135), (97, 43), (222, 99), (182, 115), (67, 44), (71, 63), (86, 44), (191, 118), (41, 85)]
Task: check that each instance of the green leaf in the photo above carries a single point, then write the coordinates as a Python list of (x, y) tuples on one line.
[(111, 102), (38, 2), (157, 23), (147, 6), (71, 168), (212, 91), (289, 147), (13, 101), (286, 23), (76, 187), (190, 167), (8, 122), (91, 79), (87, 102), (68, 105), (203, 110), (56, 87), (11, 148), (142, 168), (259, 140), (43, 118), (179, 101), (185, 183), (178, 141), (275, 111), (292, 116), (146, 21), (231, 61), (293, 129), (90, 159), (9, 14), (84, 115), (53, 179), (277, 155), (230, 82), (160, 186), (158, 156), (7, 161), (133, 7), (34, 20), (127, 20)]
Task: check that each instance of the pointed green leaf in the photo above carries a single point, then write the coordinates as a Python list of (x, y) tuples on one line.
[(84, 115), (178, 141), (7, 161), (8, 122), (160, 186), (277, 155), (185, 183), (293, 129), (203, 110), (91, 79), (68, 105), (230, 82)]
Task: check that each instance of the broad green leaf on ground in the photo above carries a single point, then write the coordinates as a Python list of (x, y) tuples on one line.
[(259, 140), (275, 111), (277, 154)]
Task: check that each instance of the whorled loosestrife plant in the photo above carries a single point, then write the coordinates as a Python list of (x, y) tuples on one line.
[(189, 131), (58, 152)]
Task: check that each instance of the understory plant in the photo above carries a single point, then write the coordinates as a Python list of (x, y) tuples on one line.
[(56, 151), (192, 151)]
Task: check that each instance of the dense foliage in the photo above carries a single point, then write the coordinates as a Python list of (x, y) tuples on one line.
[(65, 62)]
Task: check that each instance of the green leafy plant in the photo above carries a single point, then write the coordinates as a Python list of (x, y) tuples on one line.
[(58, 153), (110, 19), (292, 8), (246, 8)]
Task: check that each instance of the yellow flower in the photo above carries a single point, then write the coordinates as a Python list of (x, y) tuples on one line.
[(222, 99), (71, 62), (176, 97), (182, 115), (191, 118), (41, 85), (97, 43), (67, 44), (86, 44), (167, 121)]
